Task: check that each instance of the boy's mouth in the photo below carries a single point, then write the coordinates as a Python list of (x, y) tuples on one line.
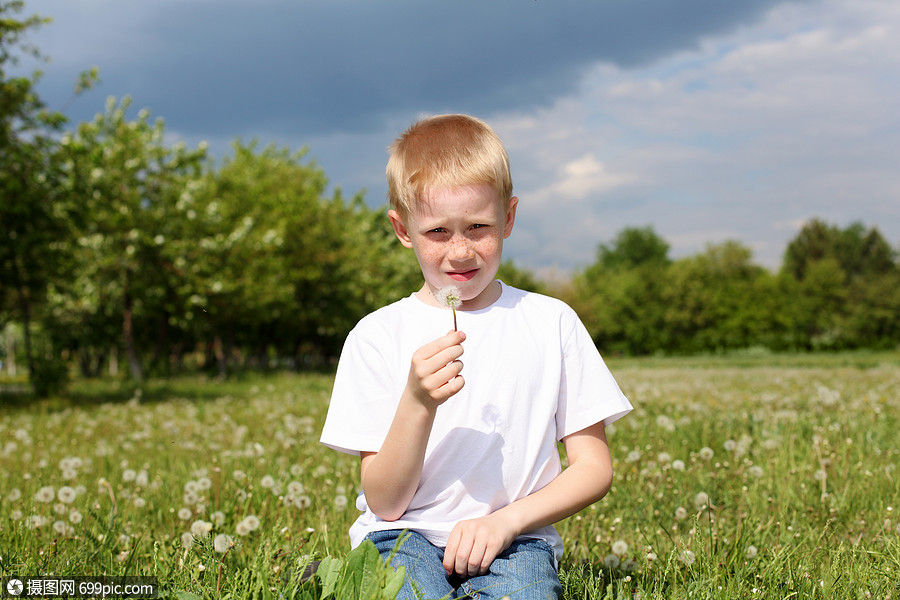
[(462, 275)]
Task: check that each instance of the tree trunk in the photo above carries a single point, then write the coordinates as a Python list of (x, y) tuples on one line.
[(134, 364)]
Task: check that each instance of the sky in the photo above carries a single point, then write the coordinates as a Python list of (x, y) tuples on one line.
[(706, 120)]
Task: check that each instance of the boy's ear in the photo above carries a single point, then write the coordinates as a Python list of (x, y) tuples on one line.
[(510, 217), (400, 228)]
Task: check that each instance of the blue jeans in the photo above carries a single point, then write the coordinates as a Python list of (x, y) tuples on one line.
[(524, 571)]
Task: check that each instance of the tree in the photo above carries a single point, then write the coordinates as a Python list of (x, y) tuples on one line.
[(128, 181), (620, 297), (34, 219)]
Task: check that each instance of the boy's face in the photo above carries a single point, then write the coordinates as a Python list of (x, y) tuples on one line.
[(457, 235)]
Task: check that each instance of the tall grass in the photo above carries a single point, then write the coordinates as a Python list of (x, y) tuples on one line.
[(733, 480)]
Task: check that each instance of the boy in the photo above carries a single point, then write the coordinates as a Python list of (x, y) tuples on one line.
[(461, 463)]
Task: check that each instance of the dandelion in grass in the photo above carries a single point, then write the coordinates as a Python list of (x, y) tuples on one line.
[(14, 494), (239, 475), (687, 557), (730, 445), (75, 517), (60, 508), (247, 524), (633, 456), (611, 561), (620, 547), (701, 500), (184, 514), (302, 501), (187, 540), (45, 495), (139, 502), (200, 528), (706, 453), (751, 552), (449, 297), (664, 457), (295, 488), (820, 475), (15, 515), (129, 475), (340, 502), (218, 518), (756, 471), (222, 542), (267, 481), (66, 494), (678, 464)]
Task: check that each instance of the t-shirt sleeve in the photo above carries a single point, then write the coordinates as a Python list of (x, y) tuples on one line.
[(588, 392), (363, 400)]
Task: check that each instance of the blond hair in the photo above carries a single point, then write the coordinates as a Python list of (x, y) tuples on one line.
[(446, 151)]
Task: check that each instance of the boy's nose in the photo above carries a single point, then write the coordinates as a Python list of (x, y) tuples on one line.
[(460, 249)]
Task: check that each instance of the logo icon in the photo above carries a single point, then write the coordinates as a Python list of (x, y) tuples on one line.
[(14, 587)]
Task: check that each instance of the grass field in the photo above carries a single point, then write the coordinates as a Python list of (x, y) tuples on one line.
[(743, 477)]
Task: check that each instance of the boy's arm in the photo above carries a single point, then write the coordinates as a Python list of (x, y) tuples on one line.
[(391, 476), (474, 544)]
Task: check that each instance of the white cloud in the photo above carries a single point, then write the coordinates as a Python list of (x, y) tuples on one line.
[(793, 118)]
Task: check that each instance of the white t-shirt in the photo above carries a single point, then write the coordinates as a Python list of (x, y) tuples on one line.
[(533, 376)]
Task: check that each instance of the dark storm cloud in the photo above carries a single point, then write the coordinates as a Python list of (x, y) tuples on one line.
[(313, 68)]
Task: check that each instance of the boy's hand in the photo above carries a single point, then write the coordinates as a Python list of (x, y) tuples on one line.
[(434, 375), (474, 544)]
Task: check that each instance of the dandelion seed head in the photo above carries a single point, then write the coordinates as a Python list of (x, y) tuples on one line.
[(678, 464), (340, 502), (620, 547), (267, 481), (687, 557), (184, 513), (706, 453), (222, 542), (680, 513), (701, 499), (66, 494), (46, 494), (611, 561), (751, 552), (449, 297), (200, 528), (187, 540)]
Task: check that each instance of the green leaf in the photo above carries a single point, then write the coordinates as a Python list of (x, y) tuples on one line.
[(328, 572)]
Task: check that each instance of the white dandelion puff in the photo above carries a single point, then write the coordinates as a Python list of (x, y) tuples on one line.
[(701, 499), (222, 542), (184, 514), (66, 494), (678, 464), (620, 547), (611, 561), (449, 297), (218, 518), (706, 453), (267, 481), (187, 540), (687, 557), (200, 528), (340, 502), (751, 552), (45, 494)]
